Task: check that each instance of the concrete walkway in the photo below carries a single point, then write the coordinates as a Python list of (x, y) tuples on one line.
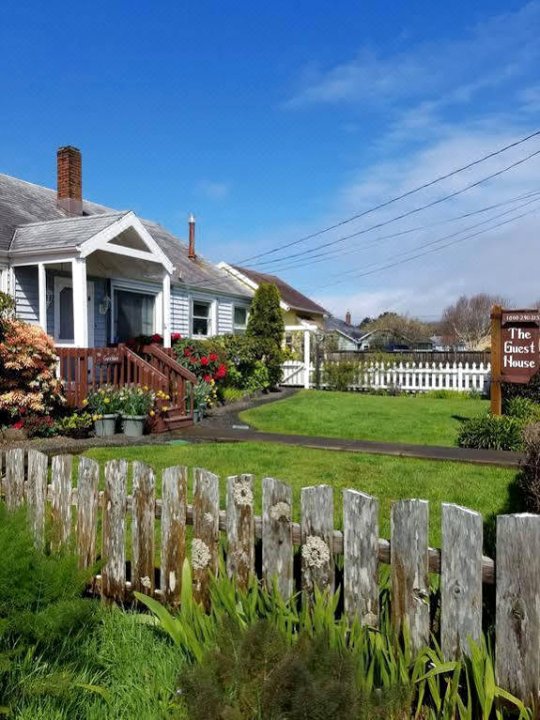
[(241, 433)]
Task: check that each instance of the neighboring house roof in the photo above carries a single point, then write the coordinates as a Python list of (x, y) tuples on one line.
[(290, 296), (334, 324), (31, 220)]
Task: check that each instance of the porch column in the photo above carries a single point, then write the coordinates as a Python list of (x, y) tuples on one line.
[(42, 294), (80, 303), (166, 312), (307, 359)]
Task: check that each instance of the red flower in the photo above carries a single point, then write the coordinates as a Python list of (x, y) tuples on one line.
[(213, 357), (221, 372), (175, 337), (207, 378), (156, 338), (204, 360), (18, 425), (187, 352)]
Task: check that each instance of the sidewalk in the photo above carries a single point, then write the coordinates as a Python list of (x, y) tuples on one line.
[(240, 433)]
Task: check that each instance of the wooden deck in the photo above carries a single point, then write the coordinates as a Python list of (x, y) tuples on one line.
[(83, 370)]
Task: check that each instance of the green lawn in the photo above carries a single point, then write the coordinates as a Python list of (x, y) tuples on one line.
[(481, 488), (355, 416)]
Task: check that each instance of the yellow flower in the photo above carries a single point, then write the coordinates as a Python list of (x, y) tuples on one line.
[(165, 408), (151, 413), (145, 388), (85, 401), (107, 401)]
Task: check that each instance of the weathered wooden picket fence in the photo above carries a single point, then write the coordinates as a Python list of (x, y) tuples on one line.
[(407, 377), (463, 569)]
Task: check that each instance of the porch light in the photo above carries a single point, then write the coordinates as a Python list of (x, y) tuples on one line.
[(105, 306), (49, 297)]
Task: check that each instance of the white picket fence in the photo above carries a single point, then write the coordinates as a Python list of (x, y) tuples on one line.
[(407, 377)]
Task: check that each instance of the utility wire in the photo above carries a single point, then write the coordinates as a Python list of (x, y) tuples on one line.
[(394, 199), (299, 262), (448, 237), (435, 249), (413, 211)]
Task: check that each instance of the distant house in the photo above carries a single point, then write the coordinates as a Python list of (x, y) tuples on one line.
[(347, 336), (92, 276), (392, 342), (299, 311)]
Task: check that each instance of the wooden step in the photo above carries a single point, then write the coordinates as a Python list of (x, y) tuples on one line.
[(176, 421)]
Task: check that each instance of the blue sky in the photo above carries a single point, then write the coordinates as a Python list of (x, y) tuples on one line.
[(273, 120)]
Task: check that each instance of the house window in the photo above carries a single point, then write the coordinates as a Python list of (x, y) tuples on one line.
[(133, 314), (201, 318), (240, 320)]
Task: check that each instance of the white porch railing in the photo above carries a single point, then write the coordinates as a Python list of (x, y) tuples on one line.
[(407, 377)]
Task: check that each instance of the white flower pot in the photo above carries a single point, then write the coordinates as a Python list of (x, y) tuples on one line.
[(105, 426), (133, 425)]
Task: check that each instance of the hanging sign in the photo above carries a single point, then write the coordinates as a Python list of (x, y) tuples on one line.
[(520, 345)]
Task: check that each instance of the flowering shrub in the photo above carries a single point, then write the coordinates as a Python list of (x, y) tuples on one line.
[(38, 426), (28, 385), (155, 339), (208, 363)]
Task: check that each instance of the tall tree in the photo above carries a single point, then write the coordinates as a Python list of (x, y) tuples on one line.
[(467, 321), (266, 324)]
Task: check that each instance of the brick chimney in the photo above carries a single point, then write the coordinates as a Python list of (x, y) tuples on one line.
[(192, 255), (348, 317), (69, 180)]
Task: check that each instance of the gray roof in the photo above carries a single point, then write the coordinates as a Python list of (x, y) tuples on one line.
[(30, 220), (64, 233), (334, 324)]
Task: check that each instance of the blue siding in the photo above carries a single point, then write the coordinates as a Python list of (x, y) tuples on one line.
[(27, 293)]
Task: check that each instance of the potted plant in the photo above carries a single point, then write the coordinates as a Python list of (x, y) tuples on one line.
[(135, 404), (103, 405)]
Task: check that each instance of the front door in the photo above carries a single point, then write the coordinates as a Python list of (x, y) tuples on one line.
[(63, 311), (133, 314)]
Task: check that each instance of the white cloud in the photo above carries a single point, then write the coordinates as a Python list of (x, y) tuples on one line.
[(214, 190), (508, 41)]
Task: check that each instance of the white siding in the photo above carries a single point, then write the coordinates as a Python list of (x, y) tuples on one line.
[(224, 317), (26, 294), (180, 311)]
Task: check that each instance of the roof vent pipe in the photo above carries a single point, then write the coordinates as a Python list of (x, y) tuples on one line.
[(192, 255)]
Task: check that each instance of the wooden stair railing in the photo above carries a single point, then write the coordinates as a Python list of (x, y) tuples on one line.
[(181, 380), (85, 369)]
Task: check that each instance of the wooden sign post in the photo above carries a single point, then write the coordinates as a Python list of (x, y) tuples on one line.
[(515, 350)]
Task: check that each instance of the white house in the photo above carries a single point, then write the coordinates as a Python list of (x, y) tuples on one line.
[(92, 276)]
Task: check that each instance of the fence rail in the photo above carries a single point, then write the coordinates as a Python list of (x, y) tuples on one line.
[(407, 377), (463, 569)]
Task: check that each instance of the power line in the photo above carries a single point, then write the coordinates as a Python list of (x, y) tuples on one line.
[(451, 235), (436, 249), (394, 199), (302, 262), (408, 213)]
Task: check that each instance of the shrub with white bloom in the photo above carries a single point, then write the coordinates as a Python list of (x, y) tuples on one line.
[(315, 552), (200, 554), (243, 494)]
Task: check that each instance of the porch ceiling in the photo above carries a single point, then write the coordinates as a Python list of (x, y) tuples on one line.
[(107, 265)]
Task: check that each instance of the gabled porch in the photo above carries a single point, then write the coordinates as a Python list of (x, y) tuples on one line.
[(96, 282)]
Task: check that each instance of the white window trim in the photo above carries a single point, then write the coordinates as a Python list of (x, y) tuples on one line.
[(134, 287), (212, 315), (59, 284), (241, 327)]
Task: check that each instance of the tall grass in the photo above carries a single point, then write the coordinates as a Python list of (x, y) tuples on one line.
[(381, 673)]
